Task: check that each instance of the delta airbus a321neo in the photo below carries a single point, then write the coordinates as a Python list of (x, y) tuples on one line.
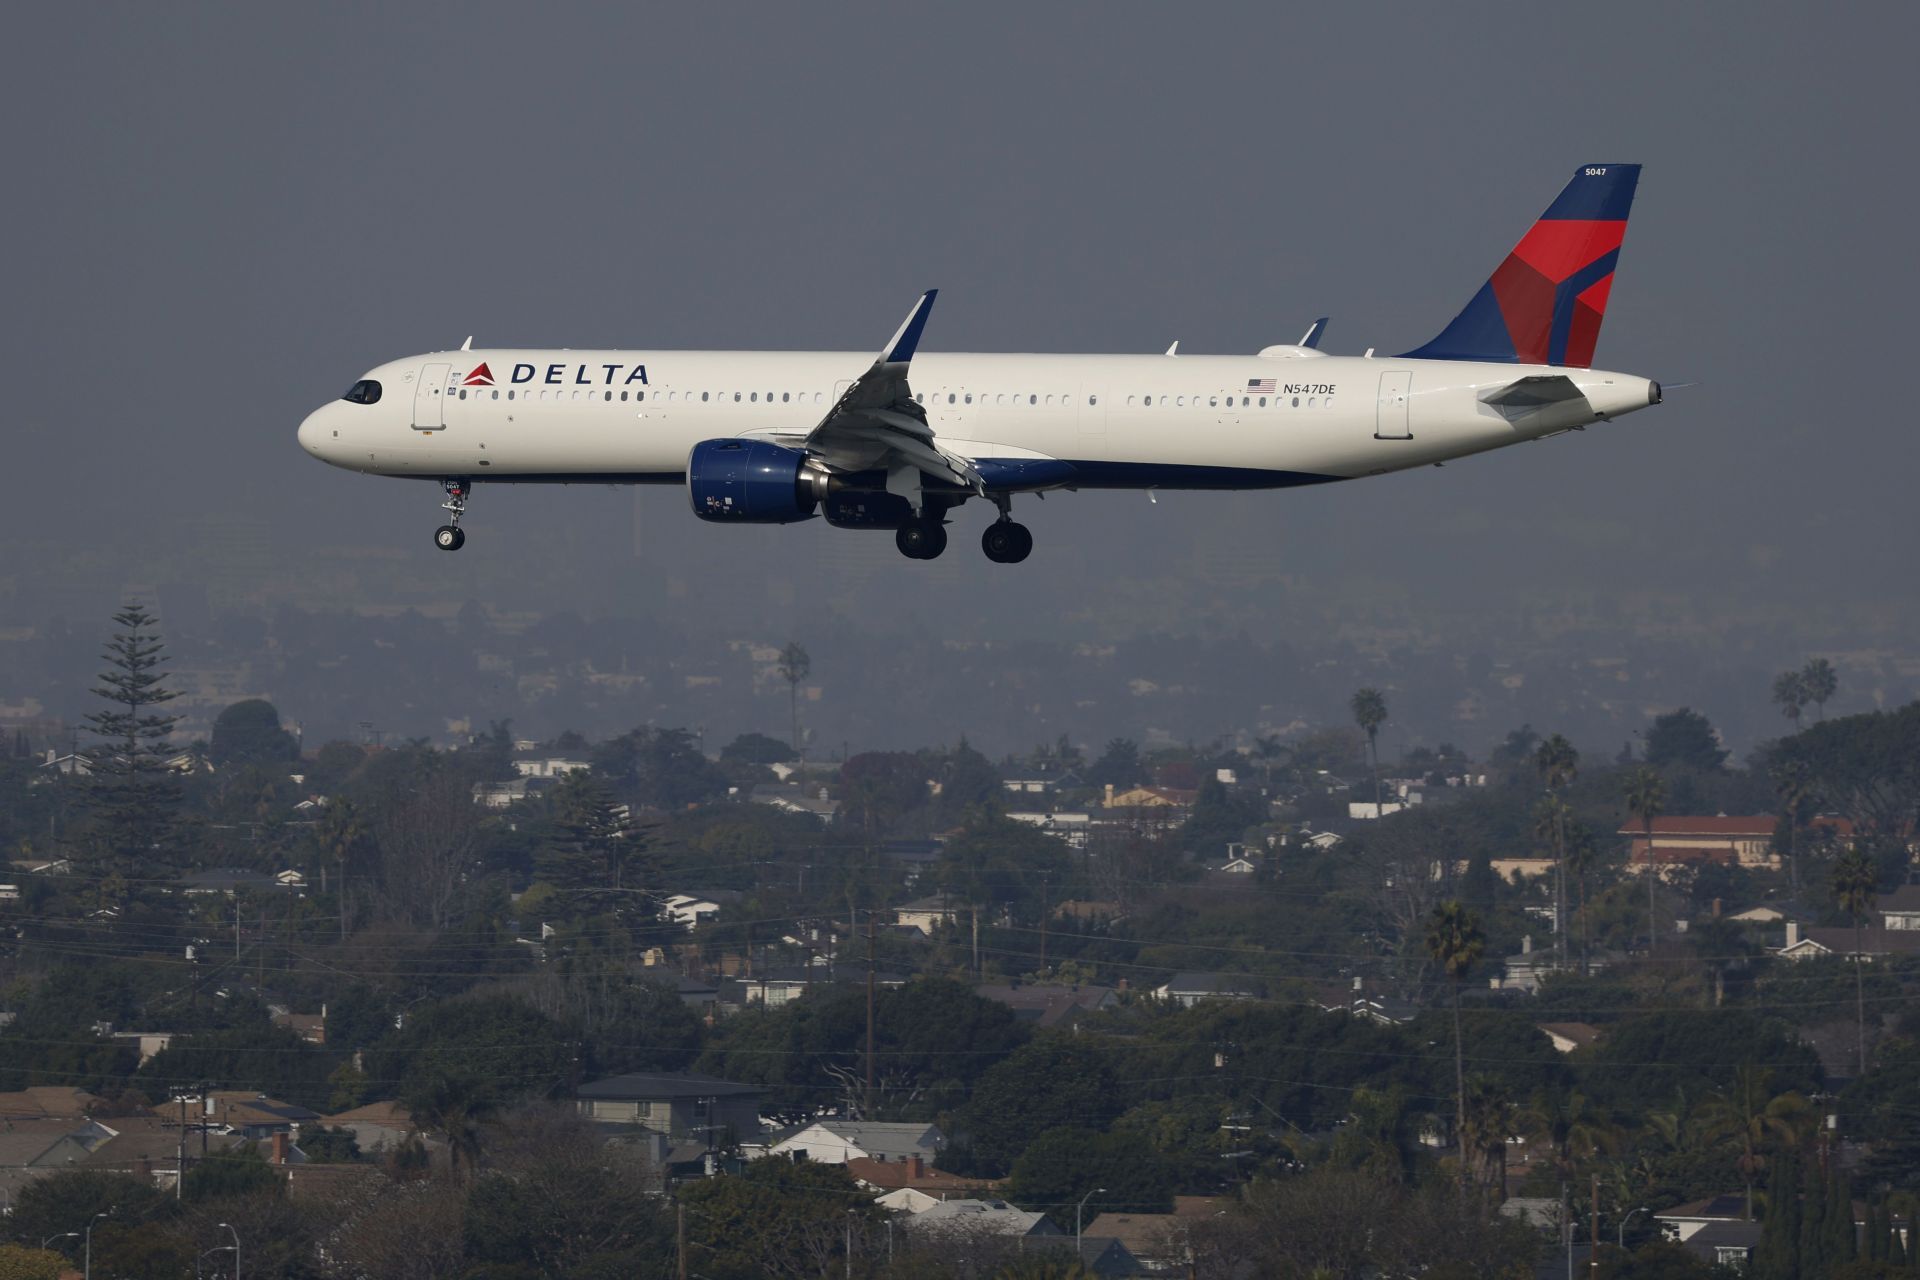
[(774, 437)]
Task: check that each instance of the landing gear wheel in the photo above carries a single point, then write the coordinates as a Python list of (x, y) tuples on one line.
[(1006, 542), (921, 539), (449, 537)]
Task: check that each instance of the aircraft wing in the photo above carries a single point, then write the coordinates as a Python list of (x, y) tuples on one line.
[(877, 425)]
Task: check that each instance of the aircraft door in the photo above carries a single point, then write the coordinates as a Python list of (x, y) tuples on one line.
[(1391, 421), (430, 398)]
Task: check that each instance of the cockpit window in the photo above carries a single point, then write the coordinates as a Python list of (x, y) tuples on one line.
[(365, 391)]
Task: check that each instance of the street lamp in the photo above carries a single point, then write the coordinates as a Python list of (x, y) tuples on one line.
[(87, 1268), (1097, 1191), (1623, 1225), (64, 1235), (236, 1250)]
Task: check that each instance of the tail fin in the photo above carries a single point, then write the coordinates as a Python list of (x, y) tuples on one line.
[(1544, 304)]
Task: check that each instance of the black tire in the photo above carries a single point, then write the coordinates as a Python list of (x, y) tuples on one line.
[(1006, 542), (449, 538), (921, 539)]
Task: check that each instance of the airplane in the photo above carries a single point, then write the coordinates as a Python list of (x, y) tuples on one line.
[(775, 437)]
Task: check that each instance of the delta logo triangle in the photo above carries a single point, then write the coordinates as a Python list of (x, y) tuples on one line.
[(480, 377)]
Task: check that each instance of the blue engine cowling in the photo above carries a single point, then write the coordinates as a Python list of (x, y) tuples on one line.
[(749, 482)]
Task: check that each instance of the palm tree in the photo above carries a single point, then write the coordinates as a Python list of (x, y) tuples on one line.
[(340, 834), (1646, 796), (1571, 1127), (1855, 890), (1558, 764), (1370, 712), (1821, 682), (1790, 694), (1454, 943), (1752, 1118), (1485, 1124), (1793, 784), (794, 667)]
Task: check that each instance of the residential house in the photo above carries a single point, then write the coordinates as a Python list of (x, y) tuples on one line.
[(1357, 999), (774, 987), (812, 802), (675, 1104), (1159, 1240), (1873, 942), (928, 915), (226, 882), (148, 1146), (1050, 1004), (146, 1043), (31, 1149), (1762, 914), (1188, 989), (984, 1218), (1169, 798), (311, 1027), (39, 1102), (548, 764), (1070, 827), (1692, 840), (501, 795), (688, 909), (1716, 1230), (912, 1185), (838, 1141), (1901, 908), (1527, 970), (376, 1127), (1568, 1036), (254, 1116)]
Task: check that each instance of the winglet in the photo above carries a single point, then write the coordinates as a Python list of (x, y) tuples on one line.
[(907, 340), (468, 344), (1315, 331)]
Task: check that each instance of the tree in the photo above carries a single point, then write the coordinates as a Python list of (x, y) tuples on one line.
[(342, 840), (795, 666), (756, 748), (1793, 784), (587, 846), (1790, 695), (1646, 796), (70, 1199), (1558, 764), (1751, 1118), (1369, 707), (1118, 766), (1454, 943), (132, 787), (1048, 1084), (775, 1218), (249, 732), (22, 1262), (1686, 739), (1062, 1165), (1855, 890), (566, 1204), (1819, 682)]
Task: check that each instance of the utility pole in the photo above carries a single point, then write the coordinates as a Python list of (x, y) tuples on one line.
[(1593, 1234), (870, 984), (1046, 909), (680, 1236)]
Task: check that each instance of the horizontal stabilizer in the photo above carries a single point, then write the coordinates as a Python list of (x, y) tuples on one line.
[(1537, 391)]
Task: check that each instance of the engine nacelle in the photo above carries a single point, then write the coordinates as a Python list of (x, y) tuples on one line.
[(866, 509), (751, 482)]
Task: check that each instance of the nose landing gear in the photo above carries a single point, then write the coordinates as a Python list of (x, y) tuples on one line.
[(450, 536)]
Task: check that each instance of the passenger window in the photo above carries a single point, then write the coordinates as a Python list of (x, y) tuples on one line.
[(950, 397), (608, 398), (1296, 402), (1033, 399), (509, 395), (753, 396), (1092, 401), (1180, 402), (1263, 402), (969, 397), (638, 395), (703, 397), (463, 393), (784, 395), (1313, 401), (365, 391), (496, 395), (1213, 402)]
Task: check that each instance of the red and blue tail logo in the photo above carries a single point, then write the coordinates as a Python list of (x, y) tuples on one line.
[(1544, 304)]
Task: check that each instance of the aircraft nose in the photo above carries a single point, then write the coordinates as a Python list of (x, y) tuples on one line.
[(312, 432)]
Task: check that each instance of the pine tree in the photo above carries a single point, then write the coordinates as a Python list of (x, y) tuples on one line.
[(132, 791), (1778, 1257), (1813, 1217)]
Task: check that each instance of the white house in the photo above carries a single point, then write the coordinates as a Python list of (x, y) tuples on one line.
[(838, 1141), (928, 915), (688, 911), (542, 765)]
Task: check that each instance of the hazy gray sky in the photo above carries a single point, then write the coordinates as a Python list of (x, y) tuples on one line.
[(217, 216)]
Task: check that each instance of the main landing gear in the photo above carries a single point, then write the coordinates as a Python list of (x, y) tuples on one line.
[(450, 536), (921, 539), (1006, 542)]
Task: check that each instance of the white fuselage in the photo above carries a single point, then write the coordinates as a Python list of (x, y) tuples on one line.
[(1170, 422)]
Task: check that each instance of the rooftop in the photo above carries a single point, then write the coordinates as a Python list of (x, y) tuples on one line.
[(663, 1085)]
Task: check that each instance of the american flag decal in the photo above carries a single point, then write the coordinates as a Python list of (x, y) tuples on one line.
[(1260, 386)]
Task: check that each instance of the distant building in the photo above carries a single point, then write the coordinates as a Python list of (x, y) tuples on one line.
[(539, 764), (1189, 989), (676, 1105), (1050, 1004), (839, 1141), (1568, 1036), (1718, 840), (982, 1217), (1873, 942), (928, 915), (1070, 827), (1150, 798)]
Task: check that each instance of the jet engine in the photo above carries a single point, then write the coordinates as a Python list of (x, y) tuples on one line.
[(752, 482)]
